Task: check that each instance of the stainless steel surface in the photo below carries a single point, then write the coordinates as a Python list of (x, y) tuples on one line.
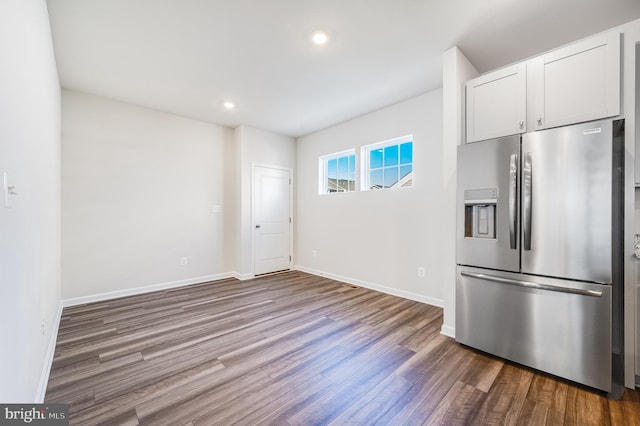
[(481, 196), (483, 221), (565, 334), (556, 304), (513, 201), (481, 166), (531, 284), (526, 202), (567, 197)]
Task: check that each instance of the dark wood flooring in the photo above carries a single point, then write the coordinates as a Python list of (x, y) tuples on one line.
[(296, 349)]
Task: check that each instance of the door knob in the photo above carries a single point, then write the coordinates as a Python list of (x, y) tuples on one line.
[(257, 226)]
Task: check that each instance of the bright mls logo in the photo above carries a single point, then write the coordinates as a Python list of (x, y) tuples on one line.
[(34, 414)]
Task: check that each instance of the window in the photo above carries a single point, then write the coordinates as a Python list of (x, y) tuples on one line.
[(338, 172), (388, 164)]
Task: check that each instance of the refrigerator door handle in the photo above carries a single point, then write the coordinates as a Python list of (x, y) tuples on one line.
[(530, 284), (526, 201), (513, 199)]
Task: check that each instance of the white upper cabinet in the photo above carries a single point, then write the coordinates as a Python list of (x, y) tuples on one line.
[(570, 85), (496, 104), (577, 83)]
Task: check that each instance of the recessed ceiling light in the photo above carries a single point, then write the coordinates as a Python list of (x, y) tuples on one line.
[(229, 105), (319, 37)]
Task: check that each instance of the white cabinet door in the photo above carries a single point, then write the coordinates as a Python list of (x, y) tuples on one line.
[(576, 83), (496, 104)]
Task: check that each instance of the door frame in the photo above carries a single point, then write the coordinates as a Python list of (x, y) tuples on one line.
[(255, 165)]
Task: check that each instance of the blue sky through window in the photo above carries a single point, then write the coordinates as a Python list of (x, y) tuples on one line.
[(332, 168), (340, 173), (390, 164)]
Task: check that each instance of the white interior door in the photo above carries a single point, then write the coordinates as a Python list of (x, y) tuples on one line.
[(272, 219)]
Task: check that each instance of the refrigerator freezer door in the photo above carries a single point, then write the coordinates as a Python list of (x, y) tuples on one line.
[(557, 326), (567, 202), (488, 191)]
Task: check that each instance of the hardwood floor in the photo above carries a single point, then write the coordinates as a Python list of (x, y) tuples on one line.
[(296, 349)]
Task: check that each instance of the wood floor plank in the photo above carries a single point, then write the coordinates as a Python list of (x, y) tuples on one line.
[(627, 410), (457, 407), (504, 401), (533, 413), (375, 403), (273, 411), (293, 349), (215, 399), (427, 394), (483, 372), (586, 408), (331, 404), (547, 393)]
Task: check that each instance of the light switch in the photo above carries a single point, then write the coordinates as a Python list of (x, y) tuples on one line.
[(216, 209)]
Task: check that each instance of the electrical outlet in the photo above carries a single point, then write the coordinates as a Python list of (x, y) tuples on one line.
[(184, 261), (421, 272)]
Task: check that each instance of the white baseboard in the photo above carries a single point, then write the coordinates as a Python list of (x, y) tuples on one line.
[(48, 359), (243, 277), (372, 286), (141, 290), (448, 331)]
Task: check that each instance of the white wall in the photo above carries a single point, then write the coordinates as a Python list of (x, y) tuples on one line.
[(254, 146), (30, 230), (456, 70), (138, 191), (377, 238)]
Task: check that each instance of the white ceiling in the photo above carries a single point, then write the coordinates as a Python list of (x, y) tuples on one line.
[(188, 56)]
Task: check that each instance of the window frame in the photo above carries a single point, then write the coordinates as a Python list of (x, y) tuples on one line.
[(323, 172), (365, 155)]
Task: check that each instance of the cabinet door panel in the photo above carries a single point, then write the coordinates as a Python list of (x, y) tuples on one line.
[(496, 104), (580, 83)]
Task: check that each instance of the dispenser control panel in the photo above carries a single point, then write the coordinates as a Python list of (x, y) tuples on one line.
[(480, 213)]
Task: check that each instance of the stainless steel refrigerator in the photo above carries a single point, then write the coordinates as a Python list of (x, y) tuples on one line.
[(539, 251)]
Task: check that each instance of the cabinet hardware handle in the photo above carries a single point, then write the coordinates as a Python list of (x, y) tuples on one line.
[(522, 125), (539, 121)]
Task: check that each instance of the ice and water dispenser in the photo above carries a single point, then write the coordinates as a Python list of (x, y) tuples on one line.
[(480, 213)]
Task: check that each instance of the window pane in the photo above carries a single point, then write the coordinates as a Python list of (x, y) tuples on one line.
[(406, 175), (375, 158), (343, 174), (375, 181), (391, 156), (352, 172), (339, 174), (343, 167), (332, 168), (406, 153), (390, 176)]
